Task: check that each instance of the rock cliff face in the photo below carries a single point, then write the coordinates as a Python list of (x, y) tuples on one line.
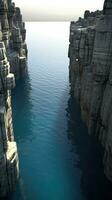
[(13, 61), (13, 34), (90, 53)]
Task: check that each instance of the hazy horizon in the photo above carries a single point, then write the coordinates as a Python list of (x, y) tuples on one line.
[(60, 10)]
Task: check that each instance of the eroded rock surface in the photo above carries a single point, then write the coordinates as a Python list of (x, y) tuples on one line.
[(13, 64), (90, 53), (13, 33)]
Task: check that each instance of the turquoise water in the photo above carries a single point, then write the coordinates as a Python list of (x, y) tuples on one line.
[(58, 159)]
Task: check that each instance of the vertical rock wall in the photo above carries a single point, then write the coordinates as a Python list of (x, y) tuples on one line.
[(9, 170), (13, 33), (90, 54), (13, 61)]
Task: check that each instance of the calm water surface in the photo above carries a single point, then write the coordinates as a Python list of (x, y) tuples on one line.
[(58, 159)]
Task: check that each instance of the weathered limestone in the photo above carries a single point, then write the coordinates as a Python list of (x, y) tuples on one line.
[(90, 54), (13, 61), (14, 35), (9, 170)]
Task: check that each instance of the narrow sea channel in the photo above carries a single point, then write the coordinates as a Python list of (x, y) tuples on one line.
[(58, 159)]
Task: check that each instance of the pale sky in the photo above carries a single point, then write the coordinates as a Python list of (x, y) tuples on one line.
[(58, 10)]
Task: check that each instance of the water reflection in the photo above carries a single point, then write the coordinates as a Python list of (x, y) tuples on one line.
[(58, 159), (22, 118), (93, 182), (22, 109)]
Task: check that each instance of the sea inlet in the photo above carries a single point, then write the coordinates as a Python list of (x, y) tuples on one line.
[(58, 159)]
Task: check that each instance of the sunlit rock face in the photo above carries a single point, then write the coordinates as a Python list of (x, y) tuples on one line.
[(9, 164), (13, 64), (90, 53)]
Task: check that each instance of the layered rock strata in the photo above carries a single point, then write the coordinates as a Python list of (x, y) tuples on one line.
[(90, 53), (13, 61), (9, 170), (13, 33)]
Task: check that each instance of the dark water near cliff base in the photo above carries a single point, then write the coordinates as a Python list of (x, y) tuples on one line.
[(58, 159)]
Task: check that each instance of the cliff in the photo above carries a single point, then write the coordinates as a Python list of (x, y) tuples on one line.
[(13, 34), (13, 61), (90, 69)]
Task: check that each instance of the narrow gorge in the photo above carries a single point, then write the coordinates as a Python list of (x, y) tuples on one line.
[(90, 70), (55, 121)]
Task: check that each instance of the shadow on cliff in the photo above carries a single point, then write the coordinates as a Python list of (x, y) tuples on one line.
[(93, 182)]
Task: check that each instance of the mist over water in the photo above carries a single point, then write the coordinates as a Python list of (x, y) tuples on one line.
[(59, 10), (58, 159)]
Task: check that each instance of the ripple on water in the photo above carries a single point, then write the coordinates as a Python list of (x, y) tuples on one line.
[(58, 159)]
